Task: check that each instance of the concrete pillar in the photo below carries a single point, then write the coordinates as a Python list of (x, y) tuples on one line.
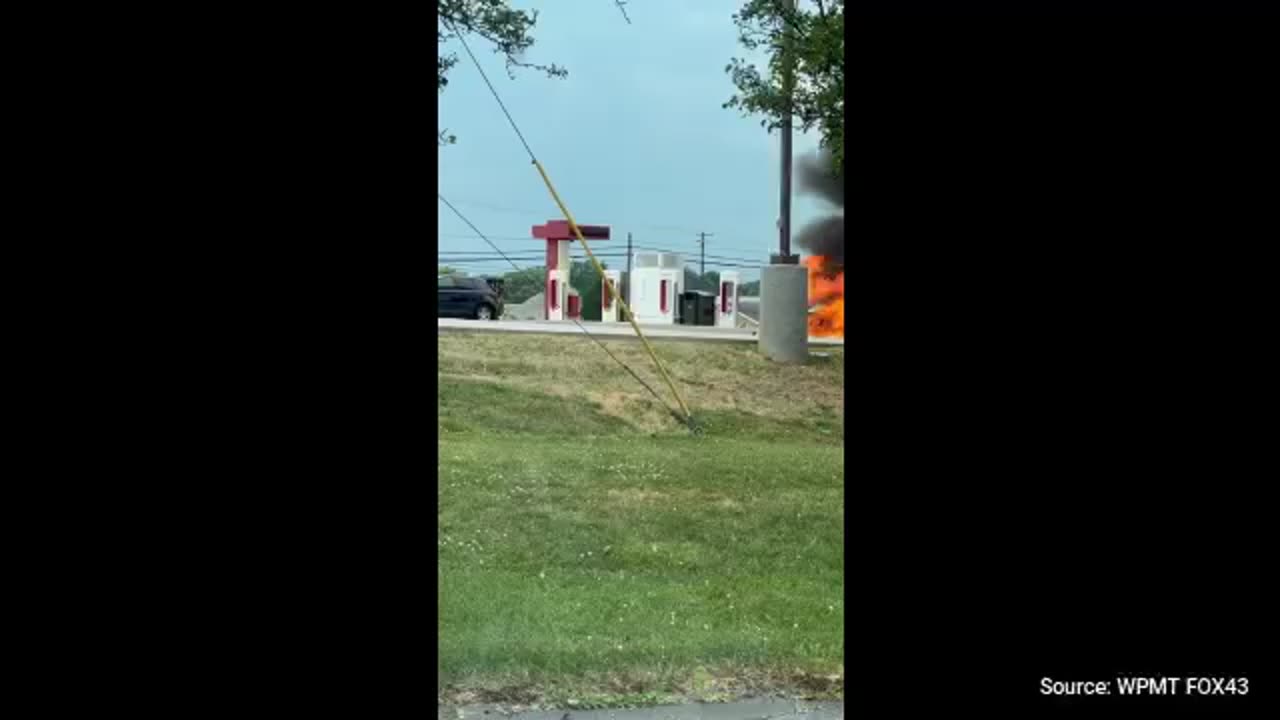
[(784, 313)]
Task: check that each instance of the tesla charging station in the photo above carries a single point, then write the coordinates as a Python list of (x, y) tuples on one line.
[(555, 304), (727, 303), (656, 280), (611, 311)]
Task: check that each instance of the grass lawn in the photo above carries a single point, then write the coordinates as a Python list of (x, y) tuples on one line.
[(591, 550)]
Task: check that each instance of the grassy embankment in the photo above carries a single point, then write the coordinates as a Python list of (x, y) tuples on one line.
[(592, 552)]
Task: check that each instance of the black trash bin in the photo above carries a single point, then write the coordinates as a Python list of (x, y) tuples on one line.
[(697, 308)]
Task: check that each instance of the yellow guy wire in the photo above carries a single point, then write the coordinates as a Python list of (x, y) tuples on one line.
[(604, 281)]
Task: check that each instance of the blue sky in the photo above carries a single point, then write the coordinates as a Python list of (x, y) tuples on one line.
[(633, 138)]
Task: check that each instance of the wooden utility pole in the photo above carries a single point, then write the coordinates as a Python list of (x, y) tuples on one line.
[(626, 281), (702, 263)]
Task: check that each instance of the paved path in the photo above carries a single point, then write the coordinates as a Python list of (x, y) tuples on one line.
[(615, 330), (750, 710)]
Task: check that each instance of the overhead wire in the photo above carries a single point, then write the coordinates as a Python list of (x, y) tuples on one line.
[(457, 257), (654, 248), (723, 243), (461, 256), (535, 213), (709, 257), (607, 351), (687, 417)]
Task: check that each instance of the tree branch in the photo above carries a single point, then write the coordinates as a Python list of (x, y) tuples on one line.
[(621, 6), (506, 46)]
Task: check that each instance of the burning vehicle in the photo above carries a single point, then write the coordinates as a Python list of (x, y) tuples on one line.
[(824, 240)]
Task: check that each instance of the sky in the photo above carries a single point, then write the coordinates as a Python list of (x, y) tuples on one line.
[(634, 138)]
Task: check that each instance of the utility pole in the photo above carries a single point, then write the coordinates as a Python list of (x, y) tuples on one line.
[(702, 263), (784, 256), (784, 283), (626, 281)]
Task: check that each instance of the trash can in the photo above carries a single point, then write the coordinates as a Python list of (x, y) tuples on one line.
[(697, 308)]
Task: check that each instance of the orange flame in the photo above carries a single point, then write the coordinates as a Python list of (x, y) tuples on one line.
[(826, 298)]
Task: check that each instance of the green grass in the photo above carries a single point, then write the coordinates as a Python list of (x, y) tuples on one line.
[(625, 561)]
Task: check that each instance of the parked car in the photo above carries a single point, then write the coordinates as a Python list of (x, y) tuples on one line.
[(468, 297)]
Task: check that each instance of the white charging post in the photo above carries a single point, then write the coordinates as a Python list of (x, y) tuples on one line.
[(656, 282), (727, 303), (611, 311)]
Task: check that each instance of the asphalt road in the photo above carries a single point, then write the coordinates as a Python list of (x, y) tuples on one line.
[(619, 330)]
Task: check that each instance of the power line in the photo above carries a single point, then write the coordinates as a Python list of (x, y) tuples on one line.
[(680, 241), (521, 253), (541, 214), (533, 261), (686, 252), (501, 208), (492, 260), (481, 252), (687, 417), (476, 229), (472, 258), (723, 243), (691, 238), (533, 255), (501, 104), (511, 238), (575, 320), (712, 257), (518, 238)]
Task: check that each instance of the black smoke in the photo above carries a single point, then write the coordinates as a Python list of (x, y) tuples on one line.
[(826, 236)]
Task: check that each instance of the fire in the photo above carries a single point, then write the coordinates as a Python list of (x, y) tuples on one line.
[(826, 298)]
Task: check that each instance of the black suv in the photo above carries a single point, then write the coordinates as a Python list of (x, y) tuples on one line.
[(468, 297)]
